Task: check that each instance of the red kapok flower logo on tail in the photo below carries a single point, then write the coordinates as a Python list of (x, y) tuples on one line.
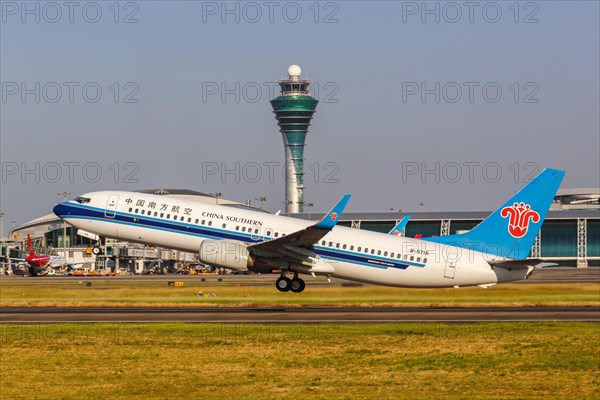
[(520, 215), (334, 216)]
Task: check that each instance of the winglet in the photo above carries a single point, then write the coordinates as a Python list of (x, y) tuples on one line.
[(332, 217), (397, 230)]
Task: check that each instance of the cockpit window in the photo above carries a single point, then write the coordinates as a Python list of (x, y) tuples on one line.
[(83, 200)]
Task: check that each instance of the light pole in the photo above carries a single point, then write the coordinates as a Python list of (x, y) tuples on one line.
[(1, 225), (288, 203), (64, 195), (262, 199), (216, 195), (309, 206)]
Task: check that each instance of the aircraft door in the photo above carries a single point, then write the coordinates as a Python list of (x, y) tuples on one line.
[(111, 206), (450, 270)]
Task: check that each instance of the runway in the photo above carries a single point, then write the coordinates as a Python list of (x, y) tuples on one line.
[(298, 315), (543, 275)]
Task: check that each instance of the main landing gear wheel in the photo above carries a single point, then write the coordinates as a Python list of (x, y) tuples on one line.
[(96, 250), (283, 284), (298, 285)]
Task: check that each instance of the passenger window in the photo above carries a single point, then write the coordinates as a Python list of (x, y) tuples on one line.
[(203, 222), (196, 220), (256, 231), (344, 247), (351, 247), (168, 216), (243, 229), (372, 251), (237, 228), (224, 225), (385, 253), (337, 245), (366, 250), (412, 258), (136, 210), (182, 218), (330, 244), (143, 212), (268, 233), (162, 215), (392, 255), (209, 223), (155, 213), (359, 248), (378, 252), (189, 220), (418, 259), (130, 209), (425, 260), (276, 234), (322, 243)]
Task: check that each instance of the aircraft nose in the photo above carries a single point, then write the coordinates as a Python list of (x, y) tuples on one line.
[(60, 210)]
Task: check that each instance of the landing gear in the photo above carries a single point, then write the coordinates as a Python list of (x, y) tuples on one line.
[(96, 250), (298, 285), (285, 284)]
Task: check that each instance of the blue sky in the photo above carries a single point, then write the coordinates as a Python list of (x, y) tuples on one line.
[(371, 129)]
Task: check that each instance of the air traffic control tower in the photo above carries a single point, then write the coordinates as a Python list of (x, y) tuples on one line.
[(294, 109)]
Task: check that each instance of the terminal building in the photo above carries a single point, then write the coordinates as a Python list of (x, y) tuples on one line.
[(570, 235)]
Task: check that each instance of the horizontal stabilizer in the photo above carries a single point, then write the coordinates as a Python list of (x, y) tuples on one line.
[(519, 264)]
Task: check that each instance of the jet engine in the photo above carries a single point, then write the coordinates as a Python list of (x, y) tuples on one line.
[(225, 254)]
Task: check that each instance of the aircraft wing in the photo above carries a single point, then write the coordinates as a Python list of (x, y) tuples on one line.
[(304, 238)]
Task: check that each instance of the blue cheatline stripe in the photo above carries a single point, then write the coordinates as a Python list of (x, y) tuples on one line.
[(370, 260), (123, 218), (85, 212)]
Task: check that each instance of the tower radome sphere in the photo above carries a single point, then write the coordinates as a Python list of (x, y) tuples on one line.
[(294, 70)]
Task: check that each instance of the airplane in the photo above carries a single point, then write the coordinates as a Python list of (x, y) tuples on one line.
[(242, 239), (38, 263), (397, 230)]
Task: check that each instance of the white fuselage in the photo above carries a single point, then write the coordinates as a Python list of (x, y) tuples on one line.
[(348, 253)]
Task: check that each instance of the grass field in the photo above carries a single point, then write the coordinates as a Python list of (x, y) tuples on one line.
[(362, 361), (107, 293)]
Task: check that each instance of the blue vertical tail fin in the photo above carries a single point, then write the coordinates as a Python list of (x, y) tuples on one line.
[(511, 230)]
